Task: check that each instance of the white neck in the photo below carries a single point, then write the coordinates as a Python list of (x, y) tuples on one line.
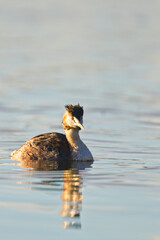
[(73, 138), (78, 149)]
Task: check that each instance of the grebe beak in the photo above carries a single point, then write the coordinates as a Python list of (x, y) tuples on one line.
[(77, 123)]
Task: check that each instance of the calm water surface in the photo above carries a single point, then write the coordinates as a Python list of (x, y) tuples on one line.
[(104, 55)]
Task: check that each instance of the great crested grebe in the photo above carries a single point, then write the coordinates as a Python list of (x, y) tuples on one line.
[(57, 146)]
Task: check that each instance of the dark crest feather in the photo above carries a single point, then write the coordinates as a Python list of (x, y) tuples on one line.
[(75, 110)]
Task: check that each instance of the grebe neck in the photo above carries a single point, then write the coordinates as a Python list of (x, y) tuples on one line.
[(73, 138), (79, 150)]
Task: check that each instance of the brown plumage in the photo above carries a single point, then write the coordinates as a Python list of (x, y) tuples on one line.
[(56, 147)]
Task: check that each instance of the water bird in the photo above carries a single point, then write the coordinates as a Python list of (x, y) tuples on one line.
[(57, 147)]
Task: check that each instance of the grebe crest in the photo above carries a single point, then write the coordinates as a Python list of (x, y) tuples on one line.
[(57, 146)]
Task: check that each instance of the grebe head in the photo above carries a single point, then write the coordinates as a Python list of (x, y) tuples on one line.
[(73, 117)]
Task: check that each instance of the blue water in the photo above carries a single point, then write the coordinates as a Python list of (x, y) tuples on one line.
[(105, 56)]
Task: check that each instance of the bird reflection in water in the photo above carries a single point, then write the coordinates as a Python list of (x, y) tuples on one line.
[(45, 165), (72, 188), (72, 198)]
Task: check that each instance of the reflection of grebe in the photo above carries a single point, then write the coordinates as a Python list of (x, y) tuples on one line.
[(72, 198), (57, 146), (71, 190)]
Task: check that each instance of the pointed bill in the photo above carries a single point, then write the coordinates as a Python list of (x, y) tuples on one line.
[(77, 123)]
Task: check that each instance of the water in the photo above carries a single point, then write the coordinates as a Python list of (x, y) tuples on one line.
[(104, 55)]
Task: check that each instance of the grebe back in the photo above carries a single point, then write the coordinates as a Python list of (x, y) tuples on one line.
[(57, 146)]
